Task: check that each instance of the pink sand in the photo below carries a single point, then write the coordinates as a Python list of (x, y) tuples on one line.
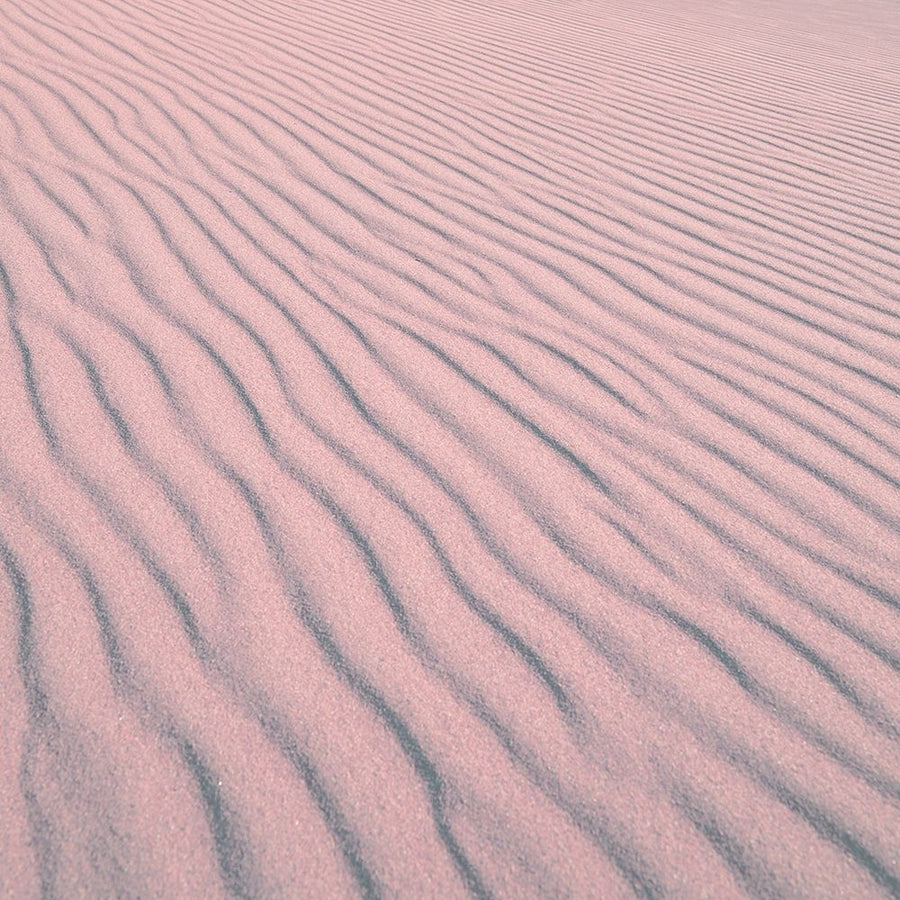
[(449, 449)]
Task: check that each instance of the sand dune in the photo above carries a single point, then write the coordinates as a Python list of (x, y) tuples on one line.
[(449, 449)]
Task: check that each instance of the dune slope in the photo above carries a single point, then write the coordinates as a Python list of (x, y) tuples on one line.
[(449, 449)]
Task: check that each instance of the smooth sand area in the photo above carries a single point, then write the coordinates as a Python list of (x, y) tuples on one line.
[(449, 448)]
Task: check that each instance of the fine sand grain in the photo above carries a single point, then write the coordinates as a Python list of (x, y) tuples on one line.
[(450, 448)]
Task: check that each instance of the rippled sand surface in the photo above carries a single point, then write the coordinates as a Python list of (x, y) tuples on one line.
[(449, 449)]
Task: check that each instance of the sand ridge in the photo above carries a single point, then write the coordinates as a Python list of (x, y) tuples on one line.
[(449, 449)]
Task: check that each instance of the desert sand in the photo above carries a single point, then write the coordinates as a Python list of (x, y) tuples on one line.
[(449, 449)]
